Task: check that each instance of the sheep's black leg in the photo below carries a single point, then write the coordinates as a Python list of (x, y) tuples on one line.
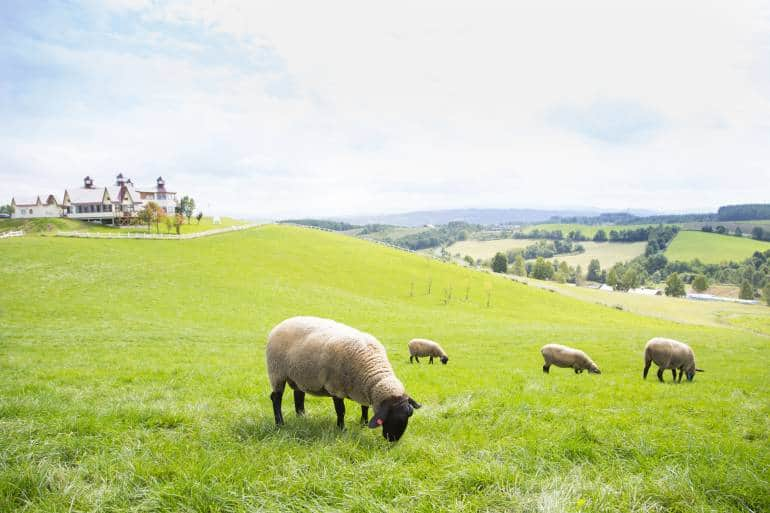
[(577, 371), (546, 368), (299, 402), (681, 371), (431, 360), (416, 359), (660, 375), (339, 407), (647, 368), (364, 415), (277, 397), (673, 371), (410, 358)]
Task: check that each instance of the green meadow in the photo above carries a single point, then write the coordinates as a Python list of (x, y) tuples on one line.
[(50, 226), (713, 248), (132, 378)]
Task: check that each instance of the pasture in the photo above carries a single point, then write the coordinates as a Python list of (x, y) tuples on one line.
[(133, 379), (49, 226), (712, 248), (589, 230)]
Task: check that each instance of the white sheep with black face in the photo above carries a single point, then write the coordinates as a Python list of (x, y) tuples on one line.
[(670, 354), (422, 347), (326, 358), (563, 356)]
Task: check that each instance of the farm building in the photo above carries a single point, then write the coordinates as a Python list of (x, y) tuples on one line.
[(116, 204), (36, 207)]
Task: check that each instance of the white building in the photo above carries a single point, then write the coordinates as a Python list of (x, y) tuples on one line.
[(115, 204), (35, 207)]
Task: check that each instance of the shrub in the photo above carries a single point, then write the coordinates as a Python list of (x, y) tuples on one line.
[(700, 283), (500, 263), (747, 291), (674, 286)]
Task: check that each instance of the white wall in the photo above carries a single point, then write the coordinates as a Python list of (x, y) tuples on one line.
[(37, 211)]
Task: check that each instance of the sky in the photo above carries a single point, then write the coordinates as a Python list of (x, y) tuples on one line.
[(289, 109)]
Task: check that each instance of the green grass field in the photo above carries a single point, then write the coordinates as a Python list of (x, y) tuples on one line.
[(712, 248), (49, 226), (588, 230), (486, 249), (132, 378)]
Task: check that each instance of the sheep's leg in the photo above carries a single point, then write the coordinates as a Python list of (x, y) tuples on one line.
[(546, 368), (681, 371), (364, 415), (410, 358), (277, 397), (416, 359), (431, 360), (577, 371), (660, 374), (299, 402), (673, 371), (339, 407), (647, 367)]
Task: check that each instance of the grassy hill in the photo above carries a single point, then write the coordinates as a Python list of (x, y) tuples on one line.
[(51, 225), (712, 248), (132, 378)]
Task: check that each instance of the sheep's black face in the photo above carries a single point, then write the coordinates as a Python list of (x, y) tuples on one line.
[(444, 359), (690, 375), (594, 370), (393, 416)]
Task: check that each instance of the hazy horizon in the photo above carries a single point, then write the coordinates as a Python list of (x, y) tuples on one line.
[(307, 109)]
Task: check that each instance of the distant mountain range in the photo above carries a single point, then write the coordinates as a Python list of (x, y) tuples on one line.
[(485, 216)]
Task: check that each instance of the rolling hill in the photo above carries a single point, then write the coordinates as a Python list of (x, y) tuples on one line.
[(132, 378), (712, 248)]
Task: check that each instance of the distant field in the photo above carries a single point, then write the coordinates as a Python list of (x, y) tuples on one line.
[(46, 225), (389, 233), (746, 226), (607, 253), (585, 229), (485, 249), (712, 248)]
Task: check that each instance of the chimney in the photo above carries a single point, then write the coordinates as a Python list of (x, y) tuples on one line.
[(119, 180), (88, 182)]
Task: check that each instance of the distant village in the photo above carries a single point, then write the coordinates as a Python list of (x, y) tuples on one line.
[(117, 204)]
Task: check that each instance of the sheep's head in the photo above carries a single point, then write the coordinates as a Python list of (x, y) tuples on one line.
[(444, 359), (393, 415), (691, 372), (593, 369)]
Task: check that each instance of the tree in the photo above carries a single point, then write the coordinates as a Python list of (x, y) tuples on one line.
[(630, 279), (178, 222), (738, 231), (500, 263), (169, 223), (612, 278), (747, 291), (707, 228), (519, 267), (542, 270), (720, 230), (700, 283), (758, 233), (578, 275), (468, 259), (674, 286), (187, 207), (600, 236), (594, 271), (766, 293), (148, 214), (7, 209), (199, 217)]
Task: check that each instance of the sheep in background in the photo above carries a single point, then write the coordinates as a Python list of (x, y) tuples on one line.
[(670, 354), (424, 347), (326, 358), (563, 356)]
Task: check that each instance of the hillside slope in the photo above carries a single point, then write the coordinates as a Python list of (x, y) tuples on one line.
[(132, 378), (713, 248)]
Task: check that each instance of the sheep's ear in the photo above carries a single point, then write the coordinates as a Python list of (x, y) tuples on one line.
[(414, 404), (379, 418)]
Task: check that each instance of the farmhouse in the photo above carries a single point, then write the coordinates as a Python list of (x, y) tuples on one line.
[(36, 207), (115, 204)]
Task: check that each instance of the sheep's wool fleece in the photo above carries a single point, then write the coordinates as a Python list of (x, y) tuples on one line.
[(324, 357), (668, 353), (425, 347)]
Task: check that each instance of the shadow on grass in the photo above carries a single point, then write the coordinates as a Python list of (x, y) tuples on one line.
[(304, 430)]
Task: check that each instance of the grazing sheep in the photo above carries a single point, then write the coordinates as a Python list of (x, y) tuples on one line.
[(670, 354), (563, 356), (424, 347), (325, 358)]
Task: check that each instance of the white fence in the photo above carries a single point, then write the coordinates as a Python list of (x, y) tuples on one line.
[(17, 233), (156, 236)]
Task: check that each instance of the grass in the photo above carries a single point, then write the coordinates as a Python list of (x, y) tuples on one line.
[(588, 230), (712, 248), (51, 225), (134, 380), (607, 253)]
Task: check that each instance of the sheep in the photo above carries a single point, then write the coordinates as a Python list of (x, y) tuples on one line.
[(563, 356), (670, 354), (325, 358), (424, 347)]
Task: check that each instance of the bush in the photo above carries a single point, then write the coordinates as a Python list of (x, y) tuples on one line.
[(674, 286), (747, 291), (700, 283), (542, 270), (766, 293), (500, 263)]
